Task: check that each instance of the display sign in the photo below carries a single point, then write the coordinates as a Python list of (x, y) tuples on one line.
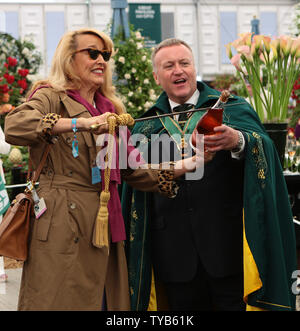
[(146, 17)]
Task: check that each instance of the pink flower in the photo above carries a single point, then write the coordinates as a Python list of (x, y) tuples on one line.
[(235, 60)]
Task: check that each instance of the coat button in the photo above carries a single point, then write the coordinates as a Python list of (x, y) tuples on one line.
[(69, 140), (76, 239), (70, 173), (72, 205)]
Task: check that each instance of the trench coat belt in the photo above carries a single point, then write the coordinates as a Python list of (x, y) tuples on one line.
[(67, 182)]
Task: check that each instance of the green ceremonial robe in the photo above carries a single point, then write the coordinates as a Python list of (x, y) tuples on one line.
[(269, 239)]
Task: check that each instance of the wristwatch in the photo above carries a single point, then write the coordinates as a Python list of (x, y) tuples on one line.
[(240, 143)]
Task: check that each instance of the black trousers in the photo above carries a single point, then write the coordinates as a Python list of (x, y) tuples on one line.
[(206, 293)]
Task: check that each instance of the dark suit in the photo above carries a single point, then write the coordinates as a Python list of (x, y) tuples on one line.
[(204, 220), (200, 230)]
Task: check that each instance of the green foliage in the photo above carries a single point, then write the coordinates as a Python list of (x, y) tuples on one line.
[(295, 20), (134, 80)]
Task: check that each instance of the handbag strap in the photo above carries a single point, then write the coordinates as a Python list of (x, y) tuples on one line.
[(37, 172)]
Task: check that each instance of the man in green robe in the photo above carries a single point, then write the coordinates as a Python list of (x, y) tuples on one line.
[(227, 238)]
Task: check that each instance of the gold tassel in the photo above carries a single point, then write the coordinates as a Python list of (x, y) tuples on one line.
[(101, 231), (101, 236)]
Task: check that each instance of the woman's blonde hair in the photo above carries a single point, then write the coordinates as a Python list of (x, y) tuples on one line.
[(62, 76)]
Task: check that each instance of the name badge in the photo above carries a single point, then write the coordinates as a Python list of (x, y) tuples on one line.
[(40, 208), (96, 175)]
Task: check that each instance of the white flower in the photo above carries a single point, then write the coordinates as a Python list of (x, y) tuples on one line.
[(147, 104), (133, 70), (127, 76), (130, 104), (26, 51), (146, 81), (130, 93), (153, 97), (138, 35), (144, 57), (121, 59), (151, 91), (139, 45)]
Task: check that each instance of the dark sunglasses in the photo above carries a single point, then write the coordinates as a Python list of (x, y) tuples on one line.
[(94, 53)]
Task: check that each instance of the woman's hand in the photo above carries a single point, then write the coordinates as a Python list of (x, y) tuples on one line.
[(97, 124), (192, 163)]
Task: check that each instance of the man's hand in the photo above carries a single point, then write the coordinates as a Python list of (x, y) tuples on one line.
[(225, 138)]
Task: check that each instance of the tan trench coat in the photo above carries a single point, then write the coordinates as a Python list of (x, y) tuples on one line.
[(64, 271)]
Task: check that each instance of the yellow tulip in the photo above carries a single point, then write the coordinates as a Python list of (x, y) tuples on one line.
[(236, 43), (275, 46), (295, 47), (258, 41), (246, 38), (266, 42), (272, 56), (285, 44), (228, 50)]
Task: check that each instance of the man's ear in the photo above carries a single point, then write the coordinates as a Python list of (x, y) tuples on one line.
[(155, 78)]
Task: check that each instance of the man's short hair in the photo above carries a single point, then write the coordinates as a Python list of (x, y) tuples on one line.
[(167, 43)]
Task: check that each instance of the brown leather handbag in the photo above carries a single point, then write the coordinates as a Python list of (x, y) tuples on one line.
[(15, 226)]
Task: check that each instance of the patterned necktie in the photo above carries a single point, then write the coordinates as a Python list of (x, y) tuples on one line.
[(183, 117)]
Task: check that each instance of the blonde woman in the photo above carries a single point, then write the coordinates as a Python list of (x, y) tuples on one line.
[(66, 269)]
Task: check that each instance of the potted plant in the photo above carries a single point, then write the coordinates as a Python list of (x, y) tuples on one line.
[(268, 69)]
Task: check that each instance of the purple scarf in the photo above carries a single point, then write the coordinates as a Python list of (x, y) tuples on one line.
[(116, 221)]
